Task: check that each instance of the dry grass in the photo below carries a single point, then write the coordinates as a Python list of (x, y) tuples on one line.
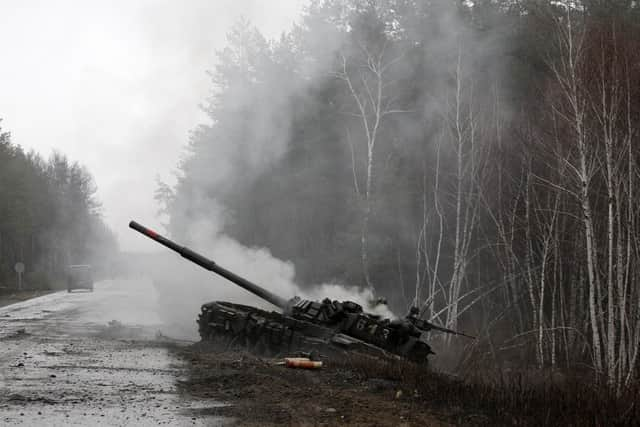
[(527, 398)]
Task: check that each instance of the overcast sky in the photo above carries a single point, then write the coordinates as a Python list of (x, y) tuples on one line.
[(115, 85)]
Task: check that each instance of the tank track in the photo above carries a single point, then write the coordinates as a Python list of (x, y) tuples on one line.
[(230, 325), (260, 331)]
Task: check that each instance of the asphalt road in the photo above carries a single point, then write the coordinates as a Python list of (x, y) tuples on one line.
[(97, 358)]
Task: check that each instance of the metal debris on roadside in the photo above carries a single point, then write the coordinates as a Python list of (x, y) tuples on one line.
[(299, 362), (302, 363)]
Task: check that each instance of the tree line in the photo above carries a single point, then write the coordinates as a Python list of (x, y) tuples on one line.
[(475, 159), (49, 217)]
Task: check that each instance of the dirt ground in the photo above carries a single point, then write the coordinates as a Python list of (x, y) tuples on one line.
[(262, 393)]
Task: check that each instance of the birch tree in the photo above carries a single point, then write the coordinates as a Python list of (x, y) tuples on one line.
[(369, 80), (592, 76)]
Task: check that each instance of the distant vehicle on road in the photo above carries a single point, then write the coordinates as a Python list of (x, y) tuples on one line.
[(79, 277)]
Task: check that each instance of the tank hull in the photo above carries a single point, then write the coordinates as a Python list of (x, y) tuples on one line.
[(271, 333)]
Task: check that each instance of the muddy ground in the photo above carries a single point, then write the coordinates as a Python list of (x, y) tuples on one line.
[(264, 393)]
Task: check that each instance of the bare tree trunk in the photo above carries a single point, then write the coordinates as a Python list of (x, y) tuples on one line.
[(535, 319), (594, 310), (372, 106), (567, 74), (466, 182), (459, 141), (606, 119)]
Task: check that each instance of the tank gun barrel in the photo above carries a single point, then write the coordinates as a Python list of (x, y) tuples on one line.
[(427, 326), (211, 266), (449, 331)]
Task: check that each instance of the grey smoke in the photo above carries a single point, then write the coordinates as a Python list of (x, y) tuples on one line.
[(183, 286)]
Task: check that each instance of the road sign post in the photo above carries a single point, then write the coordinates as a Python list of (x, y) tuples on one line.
[(19, 268)]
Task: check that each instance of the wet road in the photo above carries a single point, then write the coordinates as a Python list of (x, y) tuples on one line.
[(92, 359)]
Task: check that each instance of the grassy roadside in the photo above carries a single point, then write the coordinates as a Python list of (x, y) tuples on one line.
[(519, 398)]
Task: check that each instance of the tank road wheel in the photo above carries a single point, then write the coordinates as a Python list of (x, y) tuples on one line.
[(267, 333)]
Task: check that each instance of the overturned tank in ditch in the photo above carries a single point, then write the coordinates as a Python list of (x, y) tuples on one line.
[(320, 327)]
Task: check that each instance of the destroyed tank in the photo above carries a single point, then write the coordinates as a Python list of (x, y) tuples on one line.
[(303, 325)]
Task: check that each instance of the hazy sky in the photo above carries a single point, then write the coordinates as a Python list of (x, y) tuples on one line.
[(115, 84)]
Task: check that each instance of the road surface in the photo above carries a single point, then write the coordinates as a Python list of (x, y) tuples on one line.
[(98, 358)]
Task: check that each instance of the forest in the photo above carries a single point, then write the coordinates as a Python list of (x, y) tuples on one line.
[(477, 160), (49, 218)]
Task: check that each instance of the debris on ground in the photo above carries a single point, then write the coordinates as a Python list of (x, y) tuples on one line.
[(260, 393), (302, 363)]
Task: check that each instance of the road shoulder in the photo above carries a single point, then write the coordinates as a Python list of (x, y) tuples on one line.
[(262, 393)]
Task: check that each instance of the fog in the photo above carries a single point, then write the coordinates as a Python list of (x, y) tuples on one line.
[(117, 85), (183, 286)]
